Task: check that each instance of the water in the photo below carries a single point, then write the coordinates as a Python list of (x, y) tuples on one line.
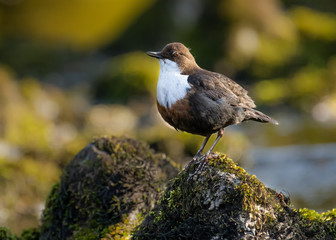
[(306, 172)]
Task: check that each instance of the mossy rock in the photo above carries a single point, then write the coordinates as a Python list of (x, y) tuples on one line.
[(108, 188), (105, 190), (30, 234), (225, 202), (6, 234)]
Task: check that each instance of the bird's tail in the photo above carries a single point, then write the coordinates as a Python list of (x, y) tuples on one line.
[(255, 115)]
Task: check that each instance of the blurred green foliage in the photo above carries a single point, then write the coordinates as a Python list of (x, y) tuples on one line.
[(74, 69), (127, 77), (81, 24)]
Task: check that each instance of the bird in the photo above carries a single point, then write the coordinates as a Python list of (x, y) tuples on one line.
[(198, 101)]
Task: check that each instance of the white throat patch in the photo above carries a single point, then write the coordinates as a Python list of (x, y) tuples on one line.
[(172, 85)]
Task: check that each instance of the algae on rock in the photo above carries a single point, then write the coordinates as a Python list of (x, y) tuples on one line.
[(112, 182), (225, 202)]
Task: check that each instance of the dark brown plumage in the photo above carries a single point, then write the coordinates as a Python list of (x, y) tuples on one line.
[(200, 102)]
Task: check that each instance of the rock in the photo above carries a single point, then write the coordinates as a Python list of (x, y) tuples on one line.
[(30, 234), (6, 234), (114, 189), (105, 191), (225, 202)]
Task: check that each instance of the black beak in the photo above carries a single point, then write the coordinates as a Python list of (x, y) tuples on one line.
[(155, 54)]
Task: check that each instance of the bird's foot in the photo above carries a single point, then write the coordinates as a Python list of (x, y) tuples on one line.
[(199, 168), (198, 156), (203, 161), (194, 159)]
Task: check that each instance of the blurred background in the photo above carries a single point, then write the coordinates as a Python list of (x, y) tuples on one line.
[(72, 70)]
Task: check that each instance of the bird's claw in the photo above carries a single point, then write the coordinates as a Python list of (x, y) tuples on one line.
[(202, 162), (197, 157), (194, 159)]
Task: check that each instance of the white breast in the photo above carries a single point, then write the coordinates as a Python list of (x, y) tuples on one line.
[(172, 85)]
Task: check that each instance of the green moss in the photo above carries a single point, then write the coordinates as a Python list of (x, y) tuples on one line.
[(250, 189), (85, 234), (329, 215), (99, 189), (51, 202), (123, 230), (224, 201), (5, 234), (184, 208), (323, 224), (112, 183), (30, 234), (310, 215)]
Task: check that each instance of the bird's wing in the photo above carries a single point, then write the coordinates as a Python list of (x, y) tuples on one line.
[(217, 86)]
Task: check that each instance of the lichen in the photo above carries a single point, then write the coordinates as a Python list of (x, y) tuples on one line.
[(190, 203), (225, 202)]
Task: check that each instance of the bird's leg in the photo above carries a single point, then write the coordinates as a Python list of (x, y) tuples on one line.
[(206, 156), (219, 136), (199, 152)]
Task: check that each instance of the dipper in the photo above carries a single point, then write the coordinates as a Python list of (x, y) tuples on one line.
[(198, 101)]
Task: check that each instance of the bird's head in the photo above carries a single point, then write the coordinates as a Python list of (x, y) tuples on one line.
[(176, 53)]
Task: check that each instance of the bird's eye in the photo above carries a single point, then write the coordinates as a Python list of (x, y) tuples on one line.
[(175, 54)]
